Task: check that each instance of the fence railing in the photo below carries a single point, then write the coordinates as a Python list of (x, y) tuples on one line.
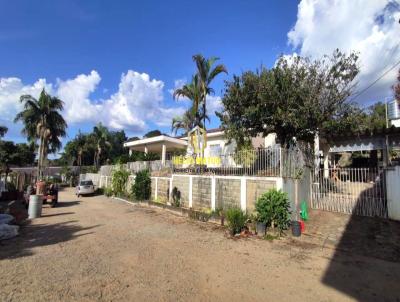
[(272, 161), (360, 191)]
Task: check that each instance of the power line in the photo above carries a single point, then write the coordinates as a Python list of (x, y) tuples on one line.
[(374, 82)]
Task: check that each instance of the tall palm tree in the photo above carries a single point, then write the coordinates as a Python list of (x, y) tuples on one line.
[(42, 121), (101, 136), (191, 90), (206, 74)]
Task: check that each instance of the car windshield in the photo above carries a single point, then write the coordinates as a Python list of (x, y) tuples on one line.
[(86, 183)]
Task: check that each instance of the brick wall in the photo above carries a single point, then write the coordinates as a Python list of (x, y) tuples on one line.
[(201, 191)]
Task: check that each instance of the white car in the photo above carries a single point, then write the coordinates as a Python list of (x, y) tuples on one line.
[(85, 187)]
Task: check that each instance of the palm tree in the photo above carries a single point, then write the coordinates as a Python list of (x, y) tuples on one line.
[(42, 121), (192, 91), (187, 121), (101, 136), (3, 130), (206, 73)]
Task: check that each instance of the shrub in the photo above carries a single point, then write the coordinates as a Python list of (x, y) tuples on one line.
[(176, 197), (141, 189), (119, 179), (236, 220), (108, 191), (273, 209)]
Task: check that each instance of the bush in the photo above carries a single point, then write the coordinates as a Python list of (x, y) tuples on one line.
[(273, 209), (108, 191), (236, 220), (119, 179), (176, 197), (141, 189)]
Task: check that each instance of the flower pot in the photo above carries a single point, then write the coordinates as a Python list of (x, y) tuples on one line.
[(296, 229), (261, 228)]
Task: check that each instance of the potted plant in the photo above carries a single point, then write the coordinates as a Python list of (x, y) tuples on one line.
[(273, 209)]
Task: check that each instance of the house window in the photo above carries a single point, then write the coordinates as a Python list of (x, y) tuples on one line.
[(215, 150)]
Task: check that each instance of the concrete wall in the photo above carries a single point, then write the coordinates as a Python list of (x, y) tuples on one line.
[(227, 193), (254, 189), (212, 192), (393, 192)]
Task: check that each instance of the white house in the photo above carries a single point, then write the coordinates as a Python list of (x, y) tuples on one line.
[(217, 144)]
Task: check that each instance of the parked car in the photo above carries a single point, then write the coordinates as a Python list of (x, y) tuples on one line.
[(85, 187)]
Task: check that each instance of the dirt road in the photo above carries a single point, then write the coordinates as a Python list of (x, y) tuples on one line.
[(98, 249)]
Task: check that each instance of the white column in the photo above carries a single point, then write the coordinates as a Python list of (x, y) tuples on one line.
[(145, 149), (243, 194), (326, 165), (163, 153), (213, 193), (190, 191), (130, 152)]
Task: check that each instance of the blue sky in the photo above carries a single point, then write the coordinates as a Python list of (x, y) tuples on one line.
[(126, 56)]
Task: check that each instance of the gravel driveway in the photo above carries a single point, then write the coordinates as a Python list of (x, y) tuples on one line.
[(100, 249)]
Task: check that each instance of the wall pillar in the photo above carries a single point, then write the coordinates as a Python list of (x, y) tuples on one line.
[(243, 194), (212, 193), (190, 191), (156, 189), (145, 150)]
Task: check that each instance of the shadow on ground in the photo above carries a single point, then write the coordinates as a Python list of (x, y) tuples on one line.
[(36, 235), (64, 204), (367, 256)]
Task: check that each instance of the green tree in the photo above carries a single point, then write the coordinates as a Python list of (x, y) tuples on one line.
[(396, 88), (44, 123), (206, 74), (102, 138), (297, 98), (3, 130), (185, 123), (152, 133)]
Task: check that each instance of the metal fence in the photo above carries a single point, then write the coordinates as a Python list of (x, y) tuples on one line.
[(272, 161), (359, 191)]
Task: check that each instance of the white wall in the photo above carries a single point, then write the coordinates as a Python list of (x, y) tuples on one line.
[(393, 192)]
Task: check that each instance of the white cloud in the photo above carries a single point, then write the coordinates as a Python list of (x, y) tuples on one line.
[(138, 101), (369, 27), (75, 93), (214, 103)]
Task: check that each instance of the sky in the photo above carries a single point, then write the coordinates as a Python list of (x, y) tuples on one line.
[(118, 62)]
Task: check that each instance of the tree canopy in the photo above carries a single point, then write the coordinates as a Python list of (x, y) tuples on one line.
[(12, 154), (297, 98), (86, 147)]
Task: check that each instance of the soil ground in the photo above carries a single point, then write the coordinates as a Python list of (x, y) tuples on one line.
[(100, 249)]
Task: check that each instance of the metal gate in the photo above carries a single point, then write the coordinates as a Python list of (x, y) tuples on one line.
[(359, 191)]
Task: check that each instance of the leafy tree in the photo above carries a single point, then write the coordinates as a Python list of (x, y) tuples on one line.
[(396, 88), (3, 130), (206, 74), (15, 155), (152, 133), (102, 138), (42, 121), (375, 116), (297, 98)]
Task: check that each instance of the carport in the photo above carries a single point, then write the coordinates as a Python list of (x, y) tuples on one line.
[(161, 144)]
